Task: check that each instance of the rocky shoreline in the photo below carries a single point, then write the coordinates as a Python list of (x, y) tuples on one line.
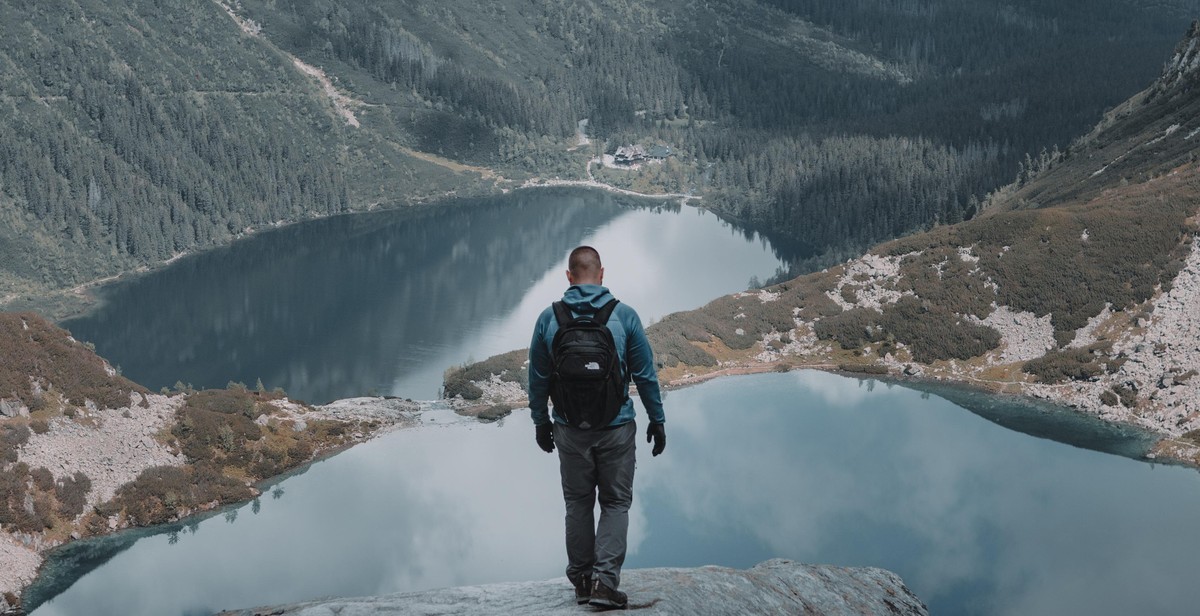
[(772, 587), (1158, 342), (112, 447)]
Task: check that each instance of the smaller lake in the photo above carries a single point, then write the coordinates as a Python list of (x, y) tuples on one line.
[(977, 518), (383, 303)]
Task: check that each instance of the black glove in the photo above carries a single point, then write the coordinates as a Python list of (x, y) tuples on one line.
[(658, 433), (545, 437)]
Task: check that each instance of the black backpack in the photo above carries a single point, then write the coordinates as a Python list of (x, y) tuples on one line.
[(588, 387)]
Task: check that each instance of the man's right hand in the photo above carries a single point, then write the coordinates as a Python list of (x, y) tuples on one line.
[(545, 437), (658, 433)]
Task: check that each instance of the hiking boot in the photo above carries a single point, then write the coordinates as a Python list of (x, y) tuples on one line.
[(608, 598), (583, 589)]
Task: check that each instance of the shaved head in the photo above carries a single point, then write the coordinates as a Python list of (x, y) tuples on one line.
[(583, 266)]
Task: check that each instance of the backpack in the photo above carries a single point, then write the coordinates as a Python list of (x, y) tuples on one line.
[(587, 386)]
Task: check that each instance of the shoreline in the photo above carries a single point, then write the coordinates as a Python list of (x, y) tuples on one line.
[(413, 421), (1156, 453), (66, 303), (27, 554)]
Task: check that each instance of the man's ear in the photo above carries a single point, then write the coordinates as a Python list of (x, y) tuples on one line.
[(570, 278)]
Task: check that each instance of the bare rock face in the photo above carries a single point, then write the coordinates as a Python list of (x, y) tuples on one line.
[(772, 587)]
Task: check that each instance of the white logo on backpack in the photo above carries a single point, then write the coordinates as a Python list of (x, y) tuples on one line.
[(591, 365)]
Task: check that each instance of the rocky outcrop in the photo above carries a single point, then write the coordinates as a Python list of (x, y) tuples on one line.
[(772, 587), (113, 447)]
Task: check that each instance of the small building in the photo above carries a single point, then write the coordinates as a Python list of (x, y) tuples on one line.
[(658, 152), (629, 154)]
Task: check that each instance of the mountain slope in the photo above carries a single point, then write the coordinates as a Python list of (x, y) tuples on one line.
[(138, 130), (1078, 286)]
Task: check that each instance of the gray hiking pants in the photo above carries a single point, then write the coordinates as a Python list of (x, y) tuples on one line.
[(596, 463)]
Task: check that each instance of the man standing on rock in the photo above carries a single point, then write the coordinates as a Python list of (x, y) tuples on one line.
[(584, 352)]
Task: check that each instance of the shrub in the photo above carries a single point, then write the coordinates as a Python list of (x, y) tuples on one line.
[(164, 493), (460, 386), (930, 332), (39, 426), (941, 277), (43, 479), (13, 496), (864, 368), (234, 401), (851, 329), (508, 366), (1126, 393), (725, 316), (217, 423), (808, 294), (72, 493), (495, 412), (12, 436), (31, 346), (672, 337), (1042, 266), (1072, 364)]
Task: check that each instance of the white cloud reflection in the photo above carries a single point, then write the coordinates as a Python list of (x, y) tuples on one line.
[(976, 518)]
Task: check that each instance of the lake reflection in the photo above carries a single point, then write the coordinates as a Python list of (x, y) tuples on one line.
[(818, 468), (383, 303)]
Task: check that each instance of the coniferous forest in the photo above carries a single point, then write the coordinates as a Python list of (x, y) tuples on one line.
[(136, 130)]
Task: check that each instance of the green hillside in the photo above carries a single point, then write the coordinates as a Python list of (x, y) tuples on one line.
[(1077, 283), (137, 130)]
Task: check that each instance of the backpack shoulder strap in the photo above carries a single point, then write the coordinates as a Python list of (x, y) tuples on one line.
[(562, 314), (606, 311)]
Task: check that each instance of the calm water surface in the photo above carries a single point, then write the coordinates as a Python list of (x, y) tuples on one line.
[(983, 505), (384, 303), (977, 518)]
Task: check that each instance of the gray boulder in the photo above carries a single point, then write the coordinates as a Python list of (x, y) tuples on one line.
[(13, 407), (772, 587)]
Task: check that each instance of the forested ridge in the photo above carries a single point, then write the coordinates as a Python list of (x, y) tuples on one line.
[(140, 129)]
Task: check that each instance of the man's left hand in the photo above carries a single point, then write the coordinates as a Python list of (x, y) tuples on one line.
[(658, 433), (545, 437)]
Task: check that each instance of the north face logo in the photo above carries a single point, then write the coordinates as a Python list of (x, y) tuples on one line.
[(591, 365)]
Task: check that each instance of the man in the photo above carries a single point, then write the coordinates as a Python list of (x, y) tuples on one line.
[(598, 461)]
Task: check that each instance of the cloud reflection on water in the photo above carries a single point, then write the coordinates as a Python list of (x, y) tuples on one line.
[(976, 518), (807, 466)]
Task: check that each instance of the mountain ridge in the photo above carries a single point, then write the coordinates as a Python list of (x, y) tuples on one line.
[(1077, 284), (141, 131)]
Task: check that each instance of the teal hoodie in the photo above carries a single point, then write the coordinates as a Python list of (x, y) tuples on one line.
[(637, 359)]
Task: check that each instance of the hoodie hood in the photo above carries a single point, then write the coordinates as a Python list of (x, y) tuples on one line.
[(586, 298)]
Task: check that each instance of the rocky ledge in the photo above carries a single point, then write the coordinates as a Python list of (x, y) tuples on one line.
[(771, 587)]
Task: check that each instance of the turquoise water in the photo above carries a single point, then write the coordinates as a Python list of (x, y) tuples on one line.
[(984, 505), (977, 518)]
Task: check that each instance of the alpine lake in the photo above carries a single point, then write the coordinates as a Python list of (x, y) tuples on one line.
[(984, 505)]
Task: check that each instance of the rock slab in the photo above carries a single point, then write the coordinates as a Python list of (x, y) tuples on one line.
[(772, 587)]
